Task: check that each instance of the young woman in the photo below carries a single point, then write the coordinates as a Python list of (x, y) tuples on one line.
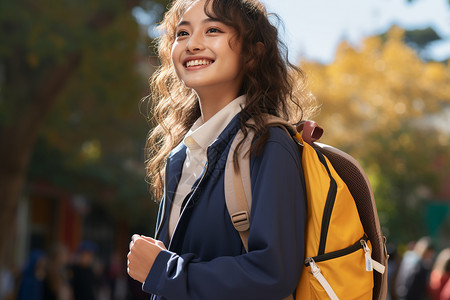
[(221, 64)]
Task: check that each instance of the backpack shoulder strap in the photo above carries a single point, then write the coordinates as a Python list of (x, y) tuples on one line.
[(238, 195), (237, 185)]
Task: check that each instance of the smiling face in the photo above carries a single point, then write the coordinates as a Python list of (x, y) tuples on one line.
[(206, 54)]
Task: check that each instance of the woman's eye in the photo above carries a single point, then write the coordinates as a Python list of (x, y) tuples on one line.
[(181, 33), (213, 30)]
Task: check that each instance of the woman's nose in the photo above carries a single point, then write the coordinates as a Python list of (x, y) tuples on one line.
[(196, 43)]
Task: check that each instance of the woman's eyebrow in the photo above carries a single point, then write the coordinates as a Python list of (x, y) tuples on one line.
[(207, 20)]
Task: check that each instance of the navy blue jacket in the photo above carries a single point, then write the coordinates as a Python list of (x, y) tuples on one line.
[(205, 258)]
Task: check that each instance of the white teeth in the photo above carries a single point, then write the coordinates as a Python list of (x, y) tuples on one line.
[(198, 62)]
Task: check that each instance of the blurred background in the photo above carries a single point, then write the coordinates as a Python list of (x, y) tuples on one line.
[(73, 129)]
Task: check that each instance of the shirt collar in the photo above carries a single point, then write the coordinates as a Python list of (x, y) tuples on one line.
[(201, 135)]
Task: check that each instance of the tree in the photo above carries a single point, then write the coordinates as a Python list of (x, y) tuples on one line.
[(419, 39), (378, 100), (73, 57), (411, 1)]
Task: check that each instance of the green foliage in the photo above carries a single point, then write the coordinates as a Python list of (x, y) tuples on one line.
[(405, 173), (417, 39), (73, 70), (410, 1), (420, 38)]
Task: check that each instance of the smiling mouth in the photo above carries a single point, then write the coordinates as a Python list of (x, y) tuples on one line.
[(198, 62)]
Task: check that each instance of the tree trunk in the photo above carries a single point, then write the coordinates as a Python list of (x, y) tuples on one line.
[(16, 145), (14, 153)]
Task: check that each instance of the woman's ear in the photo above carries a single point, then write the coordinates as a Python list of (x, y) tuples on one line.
[(260, 48)]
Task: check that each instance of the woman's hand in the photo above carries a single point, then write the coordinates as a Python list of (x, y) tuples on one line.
[(143, 252)]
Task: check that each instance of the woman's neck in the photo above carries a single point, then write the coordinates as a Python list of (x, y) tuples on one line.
[(211, 103)]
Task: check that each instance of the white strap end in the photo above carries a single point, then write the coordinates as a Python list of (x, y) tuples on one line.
[(378, 267)]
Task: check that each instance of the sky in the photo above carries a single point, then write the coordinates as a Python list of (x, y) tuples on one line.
[(313, 28)]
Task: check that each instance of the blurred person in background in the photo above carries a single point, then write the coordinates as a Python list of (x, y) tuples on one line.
[(393, 266), (440, 275), (7, 283), (82, 276), (31, 286), (414, 271), (56, 284), (116, 277)]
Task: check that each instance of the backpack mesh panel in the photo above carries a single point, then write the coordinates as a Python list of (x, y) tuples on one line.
[(352, 176)]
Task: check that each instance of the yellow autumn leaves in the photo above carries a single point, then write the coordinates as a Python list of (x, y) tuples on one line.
[(377, 86)]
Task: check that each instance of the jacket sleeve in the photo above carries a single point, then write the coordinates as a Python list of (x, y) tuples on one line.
[(271, 269)]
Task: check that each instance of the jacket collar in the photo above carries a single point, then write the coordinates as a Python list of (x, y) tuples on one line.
[(205, 133), (175, 167)]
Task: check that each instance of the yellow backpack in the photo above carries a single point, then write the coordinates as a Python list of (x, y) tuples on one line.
[(344, 244)]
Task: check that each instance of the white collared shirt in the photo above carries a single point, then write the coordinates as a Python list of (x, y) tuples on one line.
[(197, 141)]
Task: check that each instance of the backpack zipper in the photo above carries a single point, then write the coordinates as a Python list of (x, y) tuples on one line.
[(339, 253), (315, 270), (329, 204)]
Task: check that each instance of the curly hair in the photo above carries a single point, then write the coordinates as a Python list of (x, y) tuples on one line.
[(271, 83)]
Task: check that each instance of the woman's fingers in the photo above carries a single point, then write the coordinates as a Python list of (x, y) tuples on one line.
[(153, 241), (143, 252)]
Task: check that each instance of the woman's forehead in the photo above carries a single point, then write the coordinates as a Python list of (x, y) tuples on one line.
[(190, 4), (199, 7)]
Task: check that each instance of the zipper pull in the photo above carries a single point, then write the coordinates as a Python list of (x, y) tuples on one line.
[(319, 276), (315, 270), (368, 258)]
